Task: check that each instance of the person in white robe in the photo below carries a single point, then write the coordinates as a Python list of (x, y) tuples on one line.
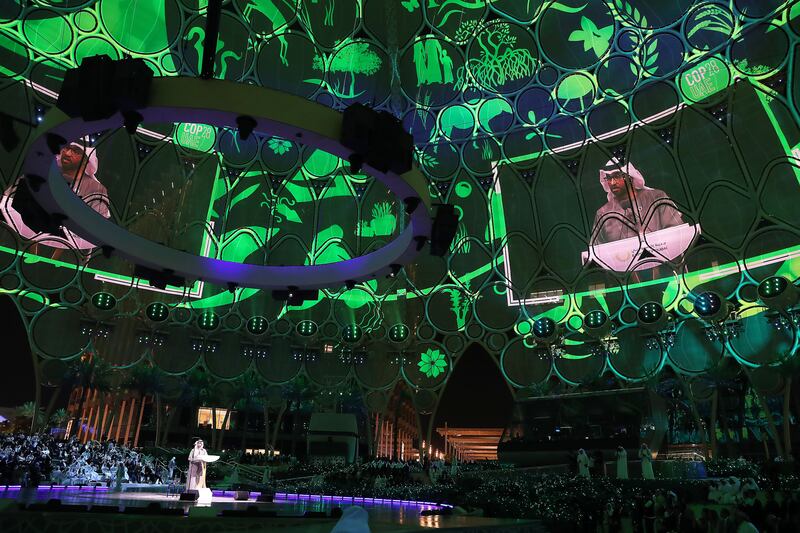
[(197, 467), (583, 464), (646, 457), (622, 463)]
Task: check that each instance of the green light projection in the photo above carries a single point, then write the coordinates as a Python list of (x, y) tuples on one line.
[(514, 108), (432, 363)]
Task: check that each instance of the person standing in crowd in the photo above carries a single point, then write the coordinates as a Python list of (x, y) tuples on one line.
[(583, 464), (622, 463), (646, 456)]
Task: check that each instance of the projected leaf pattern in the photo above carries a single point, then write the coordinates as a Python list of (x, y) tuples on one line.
[(521, 123)]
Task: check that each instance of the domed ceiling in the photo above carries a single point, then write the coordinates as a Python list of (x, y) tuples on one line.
[(523, 114)]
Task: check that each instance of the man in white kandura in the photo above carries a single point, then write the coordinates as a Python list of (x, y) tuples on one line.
[(197, 467), (646, 457), (583, 463), (622, 463)]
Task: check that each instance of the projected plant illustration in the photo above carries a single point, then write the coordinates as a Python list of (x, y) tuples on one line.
[(432, 363), (499, 61), (352, 59)]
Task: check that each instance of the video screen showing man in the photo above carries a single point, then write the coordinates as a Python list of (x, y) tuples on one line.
[(630, 198), (636, 222), (78, 164)]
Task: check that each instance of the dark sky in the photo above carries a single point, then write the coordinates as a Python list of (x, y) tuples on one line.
[(476, 395), (16, 378)]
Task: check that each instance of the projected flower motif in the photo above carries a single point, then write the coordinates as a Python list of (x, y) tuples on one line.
[(432, 363), (279, 146)]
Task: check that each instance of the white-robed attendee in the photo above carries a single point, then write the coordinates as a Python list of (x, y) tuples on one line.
[(197, 467), (583, 464), (354, 520), (622, 463), (646, 456)]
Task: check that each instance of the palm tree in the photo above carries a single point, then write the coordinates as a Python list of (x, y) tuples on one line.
[(148, 381), (300, 396), (90, 372), (249, 390), (189, 395), (59, 418), (30, 412)]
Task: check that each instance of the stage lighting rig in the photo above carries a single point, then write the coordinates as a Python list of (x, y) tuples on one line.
[(778, 293), (295, 296), (712, 308), (545, 331), (597, 324), (652, 317)]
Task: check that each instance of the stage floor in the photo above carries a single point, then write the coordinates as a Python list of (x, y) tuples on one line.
[(383, 516)]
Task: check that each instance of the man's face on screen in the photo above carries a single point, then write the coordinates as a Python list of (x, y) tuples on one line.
[(617, 184), (71, 159)]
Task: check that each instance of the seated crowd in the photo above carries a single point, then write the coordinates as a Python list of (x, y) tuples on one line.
[(30, 460)]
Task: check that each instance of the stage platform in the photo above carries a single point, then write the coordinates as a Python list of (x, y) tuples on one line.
[(89, 510)]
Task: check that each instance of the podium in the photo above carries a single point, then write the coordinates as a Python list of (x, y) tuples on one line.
[(643, 252), (204, 496)]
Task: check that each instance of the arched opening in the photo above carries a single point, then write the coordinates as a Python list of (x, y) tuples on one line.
[(476, 396)]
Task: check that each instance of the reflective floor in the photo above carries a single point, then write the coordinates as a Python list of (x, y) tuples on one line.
[(383, 515)]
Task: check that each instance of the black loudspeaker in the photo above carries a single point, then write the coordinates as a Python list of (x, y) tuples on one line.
[(34, 215), (295, 296), (444, 229), (159, 278), (241, 495), (100, 87), (189, 496), (266, 497), (377, 138)]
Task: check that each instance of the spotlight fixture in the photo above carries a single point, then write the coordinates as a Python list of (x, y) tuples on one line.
[(652, 317), (246, 125), (778, 293), (545, 330), (257, 325), (158, 278), (295, 296), (131, 121), (411, 203), (307, 328), (157, 312), (398, 333), (711, 307), (208, 320), (395, 269), (104, 301), (597, 324), (351, 333), (356, 162)]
